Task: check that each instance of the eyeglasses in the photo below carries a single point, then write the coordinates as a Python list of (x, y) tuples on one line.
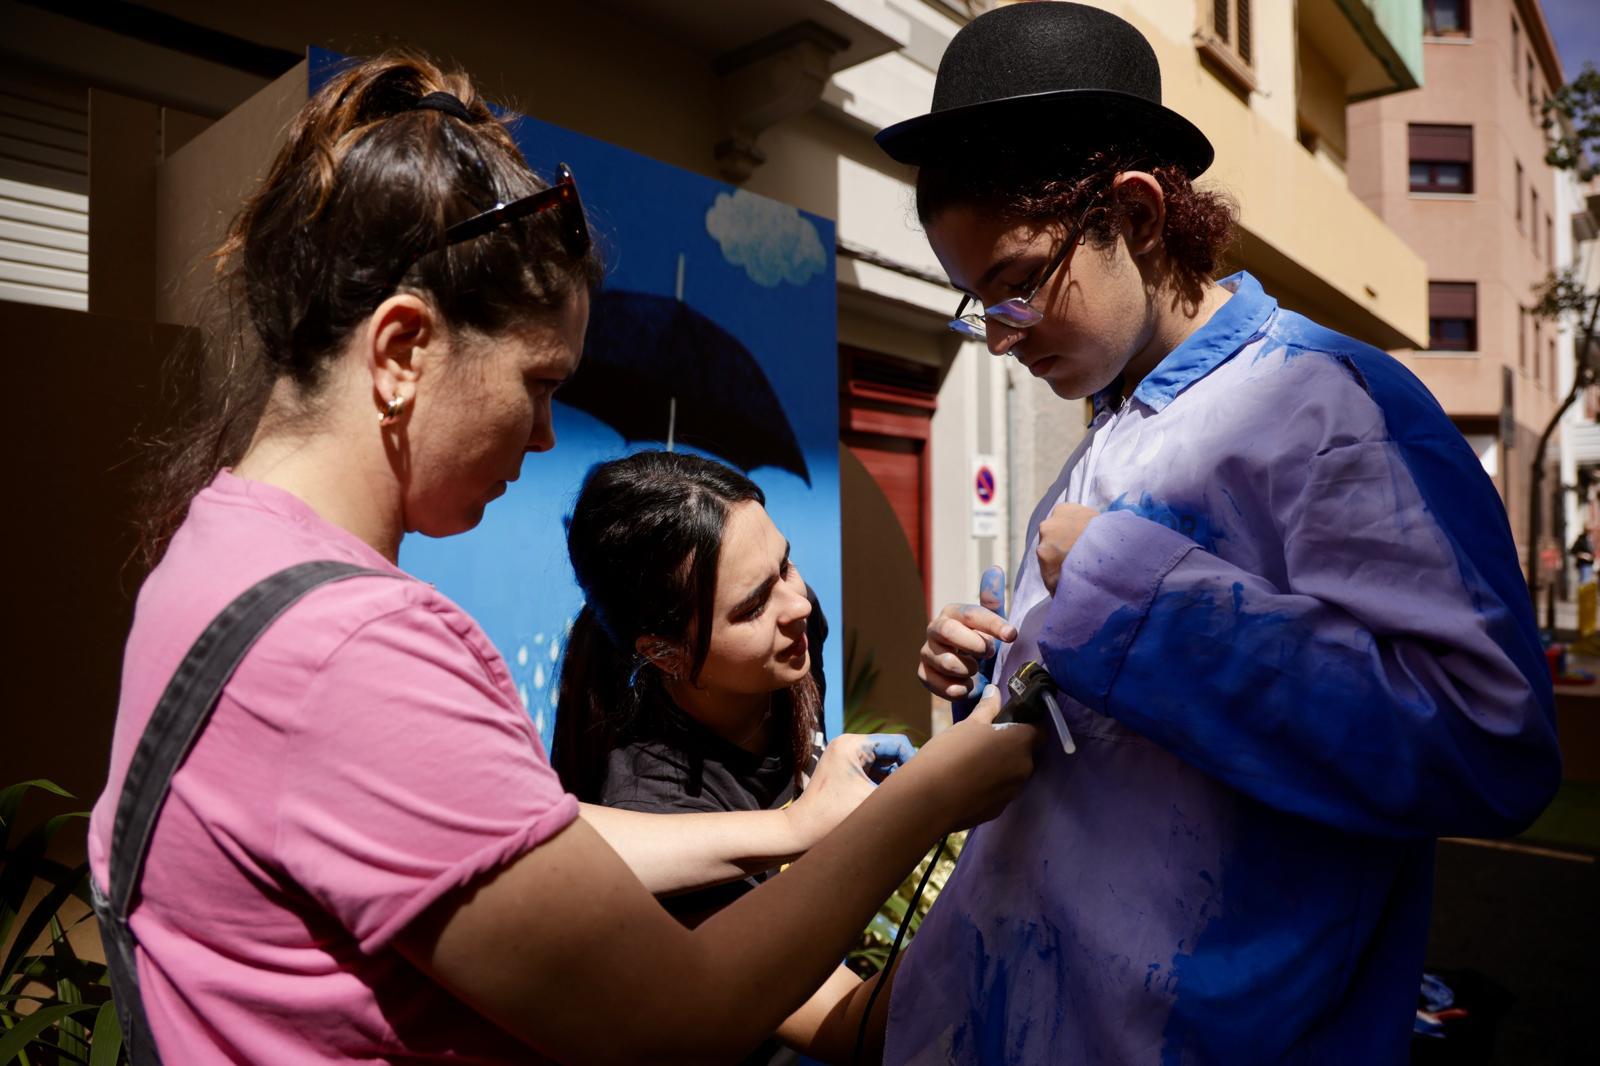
[(1019, 312), (562, 197)]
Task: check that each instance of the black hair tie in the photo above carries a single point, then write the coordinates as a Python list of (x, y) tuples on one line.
[(448, 103)]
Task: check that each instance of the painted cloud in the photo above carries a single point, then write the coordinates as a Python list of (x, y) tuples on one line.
[(772, 241)]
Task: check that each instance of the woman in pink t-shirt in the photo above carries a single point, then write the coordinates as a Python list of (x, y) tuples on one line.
[(366, 855)]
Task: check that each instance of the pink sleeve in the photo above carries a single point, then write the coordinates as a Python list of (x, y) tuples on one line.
[(412, 774)]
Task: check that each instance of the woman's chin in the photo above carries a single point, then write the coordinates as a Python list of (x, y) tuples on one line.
[(790, 672)]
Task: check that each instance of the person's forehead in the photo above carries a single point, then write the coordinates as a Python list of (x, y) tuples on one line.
[(968, 242), (550, 345), (751, 545)]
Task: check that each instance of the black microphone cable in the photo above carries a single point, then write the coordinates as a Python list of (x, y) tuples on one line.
[(894, 949)]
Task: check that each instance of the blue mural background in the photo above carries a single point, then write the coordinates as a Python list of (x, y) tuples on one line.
[(762, 271)]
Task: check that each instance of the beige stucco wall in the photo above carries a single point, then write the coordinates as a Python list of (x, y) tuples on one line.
[(1354, 271)]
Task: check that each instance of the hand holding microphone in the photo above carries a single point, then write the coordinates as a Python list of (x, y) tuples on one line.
[(962, 636)]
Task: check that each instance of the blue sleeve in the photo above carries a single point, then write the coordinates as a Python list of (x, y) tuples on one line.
[(1386, 687)]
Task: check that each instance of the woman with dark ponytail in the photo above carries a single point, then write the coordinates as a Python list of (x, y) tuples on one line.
[(687, 682), (329, 832), (647, 537)]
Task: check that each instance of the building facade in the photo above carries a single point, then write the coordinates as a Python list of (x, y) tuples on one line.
[(104, 221), (1458, 170)]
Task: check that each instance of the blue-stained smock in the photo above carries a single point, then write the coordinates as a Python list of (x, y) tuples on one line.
[(1298, 647)]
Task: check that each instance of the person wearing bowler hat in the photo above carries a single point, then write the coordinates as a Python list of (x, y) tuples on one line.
[(1274, 584)]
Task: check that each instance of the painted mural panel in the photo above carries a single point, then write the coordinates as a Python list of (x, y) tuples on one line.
[(715, 332)]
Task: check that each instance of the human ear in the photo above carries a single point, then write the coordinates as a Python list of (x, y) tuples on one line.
[(397, 347), (1144, 209), (663, 655)]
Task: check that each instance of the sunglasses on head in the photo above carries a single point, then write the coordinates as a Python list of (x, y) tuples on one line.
[(562, 197)]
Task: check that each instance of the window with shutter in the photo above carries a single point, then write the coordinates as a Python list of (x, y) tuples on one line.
[(1447, 18), (1453, 316), (44, 186), (1441, 158), (1224, 36)]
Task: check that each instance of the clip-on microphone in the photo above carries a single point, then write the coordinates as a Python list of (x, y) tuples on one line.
[(1032, 697)]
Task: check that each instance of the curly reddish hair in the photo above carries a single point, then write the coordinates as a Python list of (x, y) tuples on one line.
[(1028, 185)]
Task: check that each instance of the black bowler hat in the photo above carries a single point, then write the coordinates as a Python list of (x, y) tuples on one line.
[(1049, 73)]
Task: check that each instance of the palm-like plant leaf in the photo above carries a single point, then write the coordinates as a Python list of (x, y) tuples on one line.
[(872, 950), (55, 1007)]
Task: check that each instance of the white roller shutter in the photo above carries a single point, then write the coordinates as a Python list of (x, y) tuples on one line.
[(44, 186)]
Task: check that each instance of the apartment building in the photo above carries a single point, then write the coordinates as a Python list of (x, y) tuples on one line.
[(1458, 170)]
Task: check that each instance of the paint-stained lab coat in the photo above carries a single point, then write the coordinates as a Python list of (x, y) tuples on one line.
[(1297, 647)]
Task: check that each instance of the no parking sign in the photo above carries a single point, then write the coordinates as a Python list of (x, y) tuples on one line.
[(985, 497)]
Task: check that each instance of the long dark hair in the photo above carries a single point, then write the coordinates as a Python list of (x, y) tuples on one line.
[(644, 538), (365, 184)]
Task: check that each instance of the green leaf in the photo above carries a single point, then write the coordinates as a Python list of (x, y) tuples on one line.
[(64, 1056), (74, 1036), (106, 1047), (23, 864), (35, 922), (11, 799), (47, 969), (19, 997), (16, 1041)]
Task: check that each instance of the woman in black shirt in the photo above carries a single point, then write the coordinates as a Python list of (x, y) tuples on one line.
[(688, 682)]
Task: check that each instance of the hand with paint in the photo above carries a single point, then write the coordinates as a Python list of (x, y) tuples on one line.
[(962, 636), (976, 766), (1058, 532), (849, 770), (890, 751)]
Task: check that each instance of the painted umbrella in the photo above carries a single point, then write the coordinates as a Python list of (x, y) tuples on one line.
[(655, 369)]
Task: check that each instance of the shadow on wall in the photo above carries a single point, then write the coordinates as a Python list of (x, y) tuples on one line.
[(90, 386), (885, 606)]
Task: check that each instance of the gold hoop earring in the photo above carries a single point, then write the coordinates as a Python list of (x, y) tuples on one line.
[(391, 411)]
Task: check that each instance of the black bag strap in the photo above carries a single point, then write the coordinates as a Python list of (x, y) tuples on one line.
[(176, 723)]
